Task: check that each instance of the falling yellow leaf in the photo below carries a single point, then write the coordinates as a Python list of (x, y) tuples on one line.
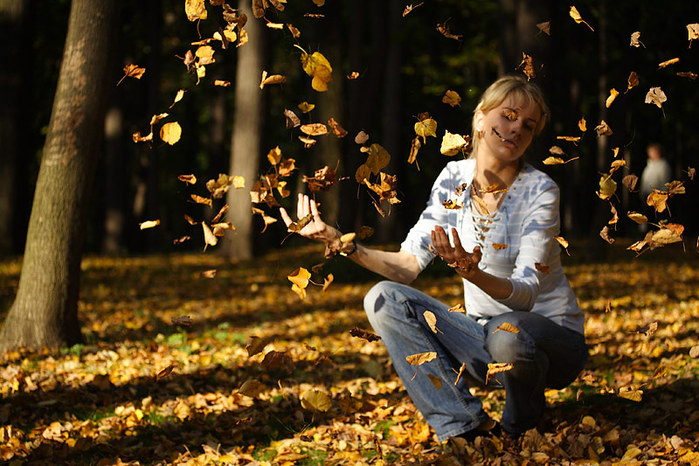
[(315, 400), (656, 96), (252, 388), (495, 368), (582, 124), (507, 327), (149, 224), (636, 217), (426, 127), (669, 62), (612, 95), (189, 179), (577, 18), (314, 129), (305, 107), (607, 187), (209, 238), (452, 144), (318, 67), (636, 39), (452, 98), (273, 79), (195, 9), (692, 32), (171, 132), (632, 81), (431, 320), (299, 279)]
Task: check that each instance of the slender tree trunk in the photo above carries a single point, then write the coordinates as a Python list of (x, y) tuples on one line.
[(389, 225), (247, 130), (45, 309), (11, 123)]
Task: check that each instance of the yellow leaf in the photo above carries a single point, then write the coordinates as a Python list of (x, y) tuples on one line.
[(209, 238), (315, 400), (632, 81), (431, 320), (305, 107), (507, 327), (452, 144), (612, 95), (252, 388), (299, 279), (426, 127), (496, 368), (669, 62), (607, 187), (195, 9), (178, 97), (314, 129), (420, 358), (274, 156), (630, 393), (452, 98), (378, 158), (149, 224), (636, 217), (656, 96), (577, 18), (317, 66), (582, 124), (171, 132)]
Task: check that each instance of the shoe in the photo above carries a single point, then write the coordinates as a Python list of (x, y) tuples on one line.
[(488, 428)]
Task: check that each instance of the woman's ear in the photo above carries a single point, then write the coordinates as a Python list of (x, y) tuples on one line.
[(478, 121)]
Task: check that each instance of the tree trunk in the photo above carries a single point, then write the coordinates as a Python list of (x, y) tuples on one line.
[(388, 226), (45, 309), (11, 123), (245, 145)]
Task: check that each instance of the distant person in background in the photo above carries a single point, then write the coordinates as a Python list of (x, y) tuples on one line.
[(654, 176), (656, 173)]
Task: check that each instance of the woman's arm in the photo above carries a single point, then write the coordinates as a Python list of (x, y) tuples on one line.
[(399, 266)]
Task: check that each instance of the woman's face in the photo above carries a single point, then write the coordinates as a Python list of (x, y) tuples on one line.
[(507, 130)]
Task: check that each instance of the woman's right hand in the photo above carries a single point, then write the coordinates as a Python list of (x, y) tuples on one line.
[(316, 229)]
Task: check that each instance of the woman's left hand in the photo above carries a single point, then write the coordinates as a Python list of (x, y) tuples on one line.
[(465, 263)]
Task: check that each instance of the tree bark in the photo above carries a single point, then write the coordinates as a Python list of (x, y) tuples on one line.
[(44, 312), (12, 124), (245, 145)]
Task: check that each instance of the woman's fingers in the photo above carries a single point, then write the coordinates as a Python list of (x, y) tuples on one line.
[(314, 209), (285, 216)]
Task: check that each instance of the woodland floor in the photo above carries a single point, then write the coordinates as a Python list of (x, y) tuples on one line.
[(111, 400)]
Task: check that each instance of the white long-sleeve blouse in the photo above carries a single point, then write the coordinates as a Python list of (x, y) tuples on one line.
[(513, 239)]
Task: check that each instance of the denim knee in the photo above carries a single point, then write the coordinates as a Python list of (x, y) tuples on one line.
[(505, 346), (376, 299)]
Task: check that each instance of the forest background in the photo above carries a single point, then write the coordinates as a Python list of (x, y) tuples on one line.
[(404, 65), (171, 354)]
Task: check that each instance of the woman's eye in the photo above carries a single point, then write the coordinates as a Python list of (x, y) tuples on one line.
[(509, 114)]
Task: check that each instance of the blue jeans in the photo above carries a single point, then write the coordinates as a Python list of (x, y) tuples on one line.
[(543, 354)]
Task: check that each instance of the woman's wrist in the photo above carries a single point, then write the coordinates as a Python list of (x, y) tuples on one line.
[(336, 245)]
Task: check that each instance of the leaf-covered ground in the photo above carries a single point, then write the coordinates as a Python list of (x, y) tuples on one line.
[(112, 400)]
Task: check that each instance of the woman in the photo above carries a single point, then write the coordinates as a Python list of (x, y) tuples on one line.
[(512, 275)]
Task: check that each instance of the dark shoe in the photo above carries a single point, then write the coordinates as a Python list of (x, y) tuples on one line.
[(489, 428)]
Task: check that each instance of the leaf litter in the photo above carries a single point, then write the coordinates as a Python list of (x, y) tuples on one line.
[(237, 369)]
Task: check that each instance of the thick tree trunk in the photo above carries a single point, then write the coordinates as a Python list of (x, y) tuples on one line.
[(247, 129), (11, 122), (45, 309)]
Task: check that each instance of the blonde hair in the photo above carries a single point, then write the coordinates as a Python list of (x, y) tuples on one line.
[(498, 91)]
